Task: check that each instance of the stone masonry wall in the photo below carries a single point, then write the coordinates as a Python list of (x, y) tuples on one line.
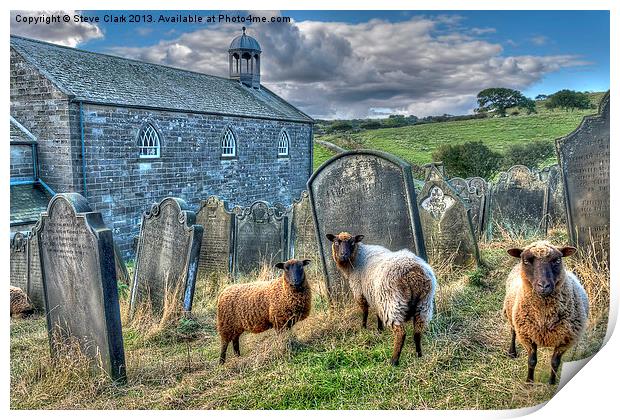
[(44, 110), (121, 185), (21, 162)]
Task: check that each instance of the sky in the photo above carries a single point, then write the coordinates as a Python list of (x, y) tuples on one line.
[(359, 64)]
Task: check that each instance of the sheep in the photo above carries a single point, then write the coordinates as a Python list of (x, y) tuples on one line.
[(545, 304), (20, 304), (259, 306), (398, 286)]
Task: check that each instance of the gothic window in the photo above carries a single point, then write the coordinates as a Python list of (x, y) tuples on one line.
[(283, 144), (228, 144), (149, 143)]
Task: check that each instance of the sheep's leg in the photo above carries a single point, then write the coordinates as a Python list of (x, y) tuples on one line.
[(555, 364), (399, 341), (223, 351), (512, 351), (418, 328), (236, 346), (363, 303), (379, 324), (531, 362)]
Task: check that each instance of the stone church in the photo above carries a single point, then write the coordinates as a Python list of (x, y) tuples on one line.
[(126, 134)]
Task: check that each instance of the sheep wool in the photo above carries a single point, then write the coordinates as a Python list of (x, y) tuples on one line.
[(20, 304)]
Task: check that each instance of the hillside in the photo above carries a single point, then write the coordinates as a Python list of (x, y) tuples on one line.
[(416, 143)]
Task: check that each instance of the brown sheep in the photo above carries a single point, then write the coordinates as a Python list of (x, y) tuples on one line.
[(545, 304), (398, 286), (20, 304), (259, 306)]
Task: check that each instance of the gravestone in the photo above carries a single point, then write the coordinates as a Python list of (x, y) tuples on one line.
[(479, 216), (121, 268), (79, 282), (35, 279), (584, 163), (303, 232), (216, 250), (556, 211), (365, 193), (446, 221), (260, 237), (19, 261), (518, 203), (167, 257)]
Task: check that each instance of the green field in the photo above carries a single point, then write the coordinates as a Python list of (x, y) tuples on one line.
[(416, 144)]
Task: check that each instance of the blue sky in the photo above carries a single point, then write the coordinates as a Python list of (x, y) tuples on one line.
[(366, 63)]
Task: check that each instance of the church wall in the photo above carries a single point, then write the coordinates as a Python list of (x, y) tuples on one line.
[(122, 185), (43, 109)]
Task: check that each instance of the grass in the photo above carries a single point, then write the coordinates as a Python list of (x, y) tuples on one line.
[(416, 143), (321, 154), (326, 362)]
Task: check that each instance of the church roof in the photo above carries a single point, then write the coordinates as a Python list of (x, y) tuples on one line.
[(244, 42), (27, 203), (106, 79)]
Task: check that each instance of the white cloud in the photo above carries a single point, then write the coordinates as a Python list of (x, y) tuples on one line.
[(70, 34), (539, 40), (422, 66)]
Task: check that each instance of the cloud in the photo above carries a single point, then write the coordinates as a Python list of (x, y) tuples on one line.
[(539, 40), (70, 34), (422, 66), (482, 31)]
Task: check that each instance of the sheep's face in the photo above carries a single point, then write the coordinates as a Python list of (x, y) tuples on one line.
[(344, 246), (541, 265), (294, 273)]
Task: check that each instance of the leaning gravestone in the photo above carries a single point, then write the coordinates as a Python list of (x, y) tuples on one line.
[(446, 221), (518, 203), (584, 162), (261, 237), (19, 261), (365, 193), (79, 281), (35, 278), (303, 232), (216, 250), (167, 257)]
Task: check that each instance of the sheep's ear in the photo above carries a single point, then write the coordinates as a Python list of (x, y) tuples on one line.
[(306, 262), (515, 252), (359, 238), (280, 265), (330, 237), (567, 251)]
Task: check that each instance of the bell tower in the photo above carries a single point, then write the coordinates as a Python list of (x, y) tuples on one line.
[(244, 60)]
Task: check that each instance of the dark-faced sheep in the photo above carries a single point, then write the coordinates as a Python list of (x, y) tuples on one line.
[(545, 304), (398, 286), (20, 304), (259, 306)]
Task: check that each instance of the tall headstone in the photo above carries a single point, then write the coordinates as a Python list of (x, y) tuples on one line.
[(79, 282), (518, 203), (584, 162), (479, 218), (261, 236), (216, 250), (556, 211), (167, 257), (365, 193), (446, 221), (19, 261), (35, 278), (303, 231)]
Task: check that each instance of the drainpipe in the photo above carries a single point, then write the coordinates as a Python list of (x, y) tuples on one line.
[(83, 146)]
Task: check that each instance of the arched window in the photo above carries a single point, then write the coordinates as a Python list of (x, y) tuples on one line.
[(148, 142), (228, 144), (283, 143)]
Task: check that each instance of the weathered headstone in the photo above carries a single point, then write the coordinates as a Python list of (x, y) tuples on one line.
[(167, 257), (446, 221), (121, 269), (556, 211), (368, 193), (35, 278), (518, 203), (79, 280), (260, 237), (303, 231), (584, 161), (473, 193), (19, 261), (216, 250)]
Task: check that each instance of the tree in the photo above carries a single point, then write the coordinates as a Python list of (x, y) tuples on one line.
[(341, 126), (568, 99), (541, 97), (499, 99), (468, 159)]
